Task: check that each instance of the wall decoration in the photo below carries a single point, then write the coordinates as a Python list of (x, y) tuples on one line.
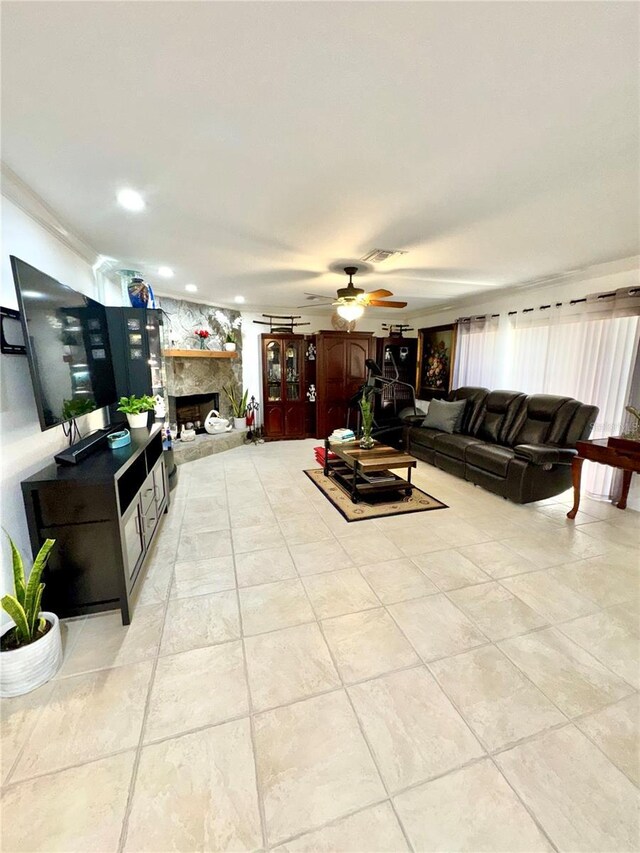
[(436, 353)]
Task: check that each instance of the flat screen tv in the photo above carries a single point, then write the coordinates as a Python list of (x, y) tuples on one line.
[(65, 334)]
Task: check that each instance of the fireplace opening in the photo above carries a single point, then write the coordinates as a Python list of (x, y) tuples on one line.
[(192, 408)]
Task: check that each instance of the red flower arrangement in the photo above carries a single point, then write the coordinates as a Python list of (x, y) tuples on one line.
[(203, 334)]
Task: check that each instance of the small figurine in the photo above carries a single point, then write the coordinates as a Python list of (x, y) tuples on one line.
[(311, 352), (159, 407), (311, 393)]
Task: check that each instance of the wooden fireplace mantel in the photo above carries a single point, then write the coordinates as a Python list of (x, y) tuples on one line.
[(199, 353)]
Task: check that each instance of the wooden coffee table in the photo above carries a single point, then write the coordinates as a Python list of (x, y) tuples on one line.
[(354, 466)]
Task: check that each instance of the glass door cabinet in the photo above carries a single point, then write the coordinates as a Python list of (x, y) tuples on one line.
[(282, 376), (136, 336)]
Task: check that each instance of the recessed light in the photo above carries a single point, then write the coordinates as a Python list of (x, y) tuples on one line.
[(131, 200), (238, 299), (192, 288), (165, 272)]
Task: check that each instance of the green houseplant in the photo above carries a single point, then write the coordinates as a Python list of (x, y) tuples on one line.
[(238, 406), (230, 341), (366, 412), (136, 409), (30, 647)]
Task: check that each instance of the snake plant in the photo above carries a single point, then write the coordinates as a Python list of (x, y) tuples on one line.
[(366, 410), (238, 406), (24, 606)]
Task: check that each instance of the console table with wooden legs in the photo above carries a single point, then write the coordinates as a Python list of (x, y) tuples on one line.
[(619, 452)]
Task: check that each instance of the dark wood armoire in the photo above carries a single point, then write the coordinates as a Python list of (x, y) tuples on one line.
[(340, 371)]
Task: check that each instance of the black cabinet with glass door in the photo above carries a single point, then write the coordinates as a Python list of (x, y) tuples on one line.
[(135, 335)]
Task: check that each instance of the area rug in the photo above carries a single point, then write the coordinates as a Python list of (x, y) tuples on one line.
[(379, 505)]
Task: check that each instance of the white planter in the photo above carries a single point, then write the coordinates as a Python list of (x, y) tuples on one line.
[(229, 347), (138, 421), (23, 670), (240, 423)]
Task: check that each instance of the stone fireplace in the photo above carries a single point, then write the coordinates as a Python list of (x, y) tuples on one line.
[(201, 380), (197, 381)]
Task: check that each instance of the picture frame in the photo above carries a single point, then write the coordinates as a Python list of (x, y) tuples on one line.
[(436, 358)]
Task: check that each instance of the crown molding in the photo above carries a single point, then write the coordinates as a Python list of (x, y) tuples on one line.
[(19, 193)]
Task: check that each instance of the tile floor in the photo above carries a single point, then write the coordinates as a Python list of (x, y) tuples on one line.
[(463, 679)]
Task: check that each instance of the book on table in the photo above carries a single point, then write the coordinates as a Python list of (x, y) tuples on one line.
[(377, 477), (341, 435)]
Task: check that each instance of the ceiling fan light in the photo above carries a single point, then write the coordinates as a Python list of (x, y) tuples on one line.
[(350, 312)]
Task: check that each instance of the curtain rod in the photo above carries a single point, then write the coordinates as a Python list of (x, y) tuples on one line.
[(633, 291)]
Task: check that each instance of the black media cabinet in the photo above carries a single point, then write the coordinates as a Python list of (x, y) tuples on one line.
[(104, 514)]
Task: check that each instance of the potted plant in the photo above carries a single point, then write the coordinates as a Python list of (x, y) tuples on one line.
[(366, 411), (137, 409), (30, 646), (230, 341), (238, 406), (202, 335)]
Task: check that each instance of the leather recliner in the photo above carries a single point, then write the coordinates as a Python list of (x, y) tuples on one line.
[(511, 444)]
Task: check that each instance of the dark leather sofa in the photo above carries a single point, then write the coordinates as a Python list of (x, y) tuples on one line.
[(514, 445)]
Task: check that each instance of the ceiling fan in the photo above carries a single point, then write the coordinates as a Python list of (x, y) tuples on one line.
[(351, 300)]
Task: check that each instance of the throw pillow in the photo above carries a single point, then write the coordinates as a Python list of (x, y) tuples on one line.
[(445, 416)]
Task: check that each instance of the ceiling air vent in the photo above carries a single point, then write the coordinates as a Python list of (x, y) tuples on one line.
[(377, 256)]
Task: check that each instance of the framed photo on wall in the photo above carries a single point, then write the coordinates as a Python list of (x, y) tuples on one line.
[(436, 353)]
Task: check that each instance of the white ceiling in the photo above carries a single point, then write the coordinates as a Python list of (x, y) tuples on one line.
[(495, 142)]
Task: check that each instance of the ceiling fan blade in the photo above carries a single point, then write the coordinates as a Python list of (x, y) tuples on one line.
[(318, 296), (380, 303), (379, 294)]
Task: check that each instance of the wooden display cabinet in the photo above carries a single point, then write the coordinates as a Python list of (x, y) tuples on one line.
[(283, 388)]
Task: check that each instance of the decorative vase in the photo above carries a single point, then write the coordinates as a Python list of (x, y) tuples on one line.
[(138, 421), (240, 423), (203, 343), (366, 442), (29, 667), (230, 346), (138, 293)]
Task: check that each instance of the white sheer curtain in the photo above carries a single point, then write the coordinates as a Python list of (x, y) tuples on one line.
[(480, 343), (587, 350)]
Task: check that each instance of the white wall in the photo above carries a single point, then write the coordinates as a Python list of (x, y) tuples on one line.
[(24, 449), (598, 279)]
